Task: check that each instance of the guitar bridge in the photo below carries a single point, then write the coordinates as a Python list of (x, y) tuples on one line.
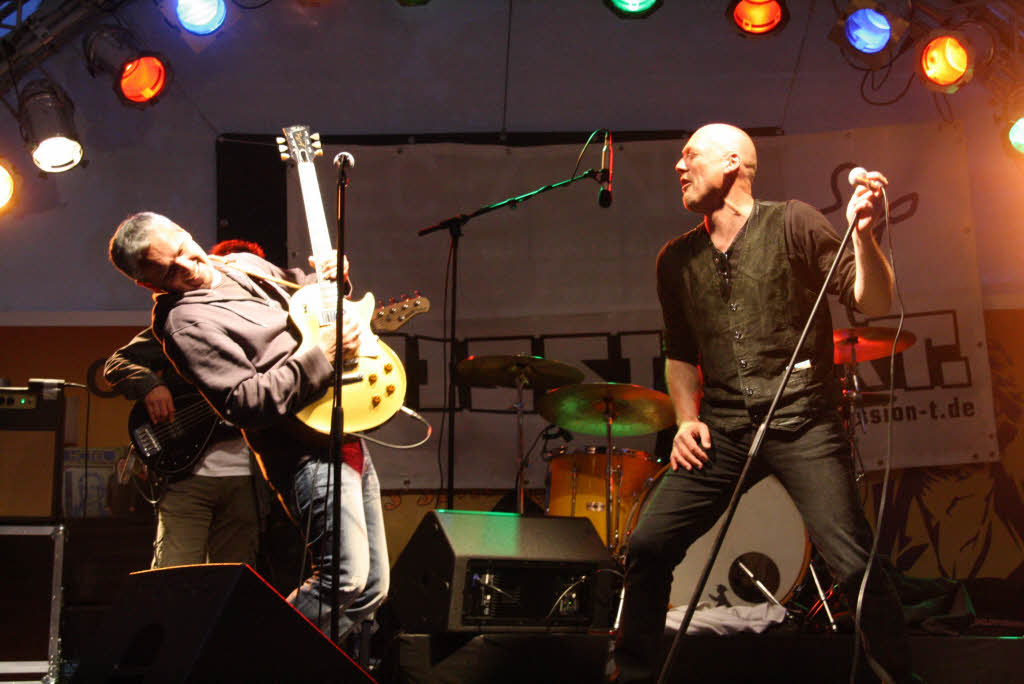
[(147, 441), (350, 378)]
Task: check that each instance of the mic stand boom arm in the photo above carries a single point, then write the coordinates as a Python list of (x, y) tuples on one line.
[(454, 227), (755, 447)]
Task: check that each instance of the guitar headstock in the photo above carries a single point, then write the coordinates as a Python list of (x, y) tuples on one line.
[(393, 315), (299, 144)]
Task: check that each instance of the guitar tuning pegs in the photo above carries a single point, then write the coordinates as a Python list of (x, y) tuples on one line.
[(315, 137), (318, 152), (279, 140), (285, 156)]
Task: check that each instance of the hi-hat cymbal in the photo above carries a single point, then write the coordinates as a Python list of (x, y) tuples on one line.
[(508, 370), (868, 343), (634, 410)]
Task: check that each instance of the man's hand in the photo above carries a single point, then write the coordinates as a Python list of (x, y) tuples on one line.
[(159, 404), (687, 451), (866, 201), (350, 337), (329, 266), (350, 332)]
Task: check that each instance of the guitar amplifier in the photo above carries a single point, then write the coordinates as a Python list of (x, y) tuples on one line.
[(31, 437)]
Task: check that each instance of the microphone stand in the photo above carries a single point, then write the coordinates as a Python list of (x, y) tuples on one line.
[(454, 227), (755, 447), (338, 411)]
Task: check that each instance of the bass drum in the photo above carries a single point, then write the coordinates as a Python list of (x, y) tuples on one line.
[(767, 535)]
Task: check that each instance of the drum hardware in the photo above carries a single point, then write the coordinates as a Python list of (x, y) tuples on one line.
[(821, 596), (519, 371), (852, 345), (613, 409)]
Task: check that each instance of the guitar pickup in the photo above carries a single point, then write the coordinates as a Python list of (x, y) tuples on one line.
[(349, 378)]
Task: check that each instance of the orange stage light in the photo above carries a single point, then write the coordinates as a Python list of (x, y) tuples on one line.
[(758, 17)]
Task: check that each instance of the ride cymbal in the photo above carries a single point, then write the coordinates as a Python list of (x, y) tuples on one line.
[(507, 370)]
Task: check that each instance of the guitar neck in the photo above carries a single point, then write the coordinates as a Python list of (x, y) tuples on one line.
[(316, 220)]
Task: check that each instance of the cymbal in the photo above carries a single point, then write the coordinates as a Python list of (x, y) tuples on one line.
[(860, 399), (868, 343), (505, 370), (585, 408)]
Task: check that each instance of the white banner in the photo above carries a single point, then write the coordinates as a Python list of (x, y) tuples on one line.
[(557, 265)]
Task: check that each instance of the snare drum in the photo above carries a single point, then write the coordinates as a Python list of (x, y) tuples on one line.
[(575, 485), (767, 535)]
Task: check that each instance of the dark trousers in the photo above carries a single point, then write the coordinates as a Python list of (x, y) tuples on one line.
[(813, 464)]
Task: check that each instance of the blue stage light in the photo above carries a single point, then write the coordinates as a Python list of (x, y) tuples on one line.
[(868, 31), (201, 16)]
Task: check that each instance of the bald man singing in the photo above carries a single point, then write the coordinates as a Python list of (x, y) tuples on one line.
[(735, 293)]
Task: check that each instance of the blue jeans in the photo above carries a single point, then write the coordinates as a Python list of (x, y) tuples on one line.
[(364, 554), (813, 464)]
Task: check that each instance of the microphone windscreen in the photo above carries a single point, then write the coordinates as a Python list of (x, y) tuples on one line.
[(856, 173)]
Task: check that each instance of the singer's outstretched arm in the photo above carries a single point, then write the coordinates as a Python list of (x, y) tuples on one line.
[(872, 288)]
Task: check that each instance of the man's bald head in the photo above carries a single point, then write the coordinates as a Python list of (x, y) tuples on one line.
[(729, 139)]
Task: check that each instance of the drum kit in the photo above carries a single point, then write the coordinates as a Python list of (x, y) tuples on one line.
[(610, 485)]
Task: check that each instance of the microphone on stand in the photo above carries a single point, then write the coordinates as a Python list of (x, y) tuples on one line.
[(859, 176), (346, 159), (604, 175)]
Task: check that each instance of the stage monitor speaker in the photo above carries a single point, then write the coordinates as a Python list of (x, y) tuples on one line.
[(210, 623), (467, 571)]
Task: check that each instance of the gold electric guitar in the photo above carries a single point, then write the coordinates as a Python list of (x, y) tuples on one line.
[(373, 384)]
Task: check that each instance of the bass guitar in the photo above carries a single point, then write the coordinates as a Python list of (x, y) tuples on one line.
[(175, 447)]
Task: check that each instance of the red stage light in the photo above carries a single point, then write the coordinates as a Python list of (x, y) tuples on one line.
[(143, 79), (758, 17)]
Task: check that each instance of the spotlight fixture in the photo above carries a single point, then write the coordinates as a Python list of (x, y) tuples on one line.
[(46, 118), (758, 17), (1013, 122), (139, 78), (948, 58), (201, 17), (869, 33), (632, 9), (8, 180)]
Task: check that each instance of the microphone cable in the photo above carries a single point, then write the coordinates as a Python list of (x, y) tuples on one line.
[(887, 471)]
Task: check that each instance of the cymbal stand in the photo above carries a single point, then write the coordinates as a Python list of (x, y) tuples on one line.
[(821, 595), (610, 542), (521, 474)]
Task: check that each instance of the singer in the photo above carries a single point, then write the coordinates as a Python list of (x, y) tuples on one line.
[(735, 293)]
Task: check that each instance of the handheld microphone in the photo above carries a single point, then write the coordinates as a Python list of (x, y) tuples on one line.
[(859, 176), (604, 176)]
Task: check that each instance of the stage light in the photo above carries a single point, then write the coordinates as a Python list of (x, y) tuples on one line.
[(632, 9), (946, 61), (7, 182), (869, 33), (46, 117), (139, 78), (758, 17), (201, 17), (1012, 119)]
